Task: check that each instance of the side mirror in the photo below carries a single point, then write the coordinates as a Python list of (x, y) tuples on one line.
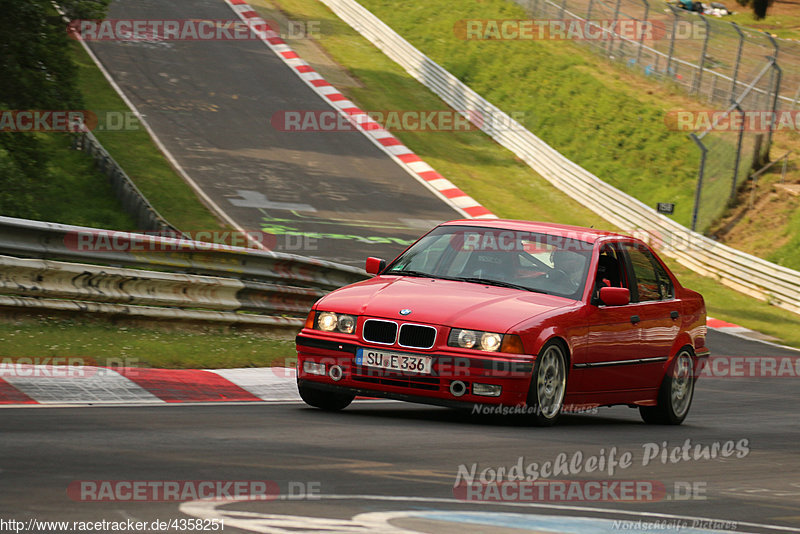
[(375, 265), (615, 296)]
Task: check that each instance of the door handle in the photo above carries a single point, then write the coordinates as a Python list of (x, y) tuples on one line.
[(674, 314), (635, 319)]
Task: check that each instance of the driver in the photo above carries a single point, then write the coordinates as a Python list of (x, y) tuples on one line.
[(571, 264)]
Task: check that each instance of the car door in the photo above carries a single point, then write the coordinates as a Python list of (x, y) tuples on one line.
[(653, 303), (614, 336)]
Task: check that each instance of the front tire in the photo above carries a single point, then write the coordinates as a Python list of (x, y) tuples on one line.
[(548, 385), (324, 400), (676, 393)]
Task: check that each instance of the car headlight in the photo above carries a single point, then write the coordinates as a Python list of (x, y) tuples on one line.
[(490, 341), (475, 339), (486, 341), (335, 322)]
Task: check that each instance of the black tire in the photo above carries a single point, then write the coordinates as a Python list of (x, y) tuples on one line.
[(548, 385), (675, 394), (324, 400)]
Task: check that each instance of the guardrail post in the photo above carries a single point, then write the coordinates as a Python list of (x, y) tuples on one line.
[(738, 60), (701, 171)]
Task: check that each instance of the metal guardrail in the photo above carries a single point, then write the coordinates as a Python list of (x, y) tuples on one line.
[(203, 282), (53, 285), (746, 273), (35, 239), (133, 201)]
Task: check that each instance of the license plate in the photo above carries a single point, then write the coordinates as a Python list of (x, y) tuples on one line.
[(394, 361)]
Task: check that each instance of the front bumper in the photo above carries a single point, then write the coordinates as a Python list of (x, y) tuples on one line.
[(451, 382)]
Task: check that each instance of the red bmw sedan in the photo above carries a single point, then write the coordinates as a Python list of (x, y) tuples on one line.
[(502, 316)]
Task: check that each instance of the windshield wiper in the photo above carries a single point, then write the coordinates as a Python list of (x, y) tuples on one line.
[(500, 283), (411, 272)]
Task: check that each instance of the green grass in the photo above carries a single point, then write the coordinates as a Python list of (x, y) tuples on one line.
[(135, 151), (783, 26), (102, 343), (77, 193)]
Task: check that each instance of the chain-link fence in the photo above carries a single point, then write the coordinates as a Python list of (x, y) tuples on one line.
[(739, 73)]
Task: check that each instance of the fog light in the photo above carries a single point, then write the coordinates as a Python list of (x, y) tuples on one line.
[(486, 390), (336, 373), (314, 368), (458, 388)]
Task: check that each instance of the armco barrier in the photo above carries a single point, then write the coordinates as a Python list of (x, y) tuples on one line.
[(34, 239), (205, 282), (48, 284), (751, 275)]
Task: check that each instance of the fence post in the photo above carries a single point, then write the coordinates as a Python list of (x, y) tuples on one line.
[(610, 50), (699, 189), (699, 77), (563, 8), (641, 39), (778, 75), (589, 11), (738, 156), (672, 38), (738, 60)]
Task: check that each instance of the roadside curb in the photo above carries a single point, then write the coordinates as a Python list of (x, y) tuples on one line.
[(24, 384), (745, 333), (383, 139)]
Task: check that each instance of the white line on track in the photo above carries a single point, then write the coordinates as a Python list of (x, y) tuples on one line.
[(206, 509)]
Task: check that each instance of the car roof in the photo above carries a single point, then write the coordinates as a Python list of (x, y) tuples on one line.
[(589, 235)]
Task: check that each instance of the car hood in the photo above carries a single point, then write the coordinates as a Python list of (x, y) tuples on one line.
[(443, 302)]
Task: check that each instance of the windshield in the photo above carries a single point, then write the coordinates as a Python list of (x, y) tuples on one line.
[(543, 263)]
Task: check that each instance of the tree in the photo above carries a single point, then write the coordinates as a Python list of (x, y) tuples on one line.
[(38, 74)]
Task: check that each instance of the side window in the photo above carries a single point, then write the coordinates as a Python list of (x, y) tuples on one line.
[(610, 271), (652, 281), (665, 286)]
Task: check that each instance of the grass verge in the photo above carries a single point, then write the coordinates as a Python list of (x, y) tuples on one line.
[(77, 193), (103, 343)]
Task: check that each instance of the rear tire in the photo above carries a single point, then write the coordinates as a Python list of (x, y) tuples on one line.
[(675, 394), (324, 400), (548, 385)]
